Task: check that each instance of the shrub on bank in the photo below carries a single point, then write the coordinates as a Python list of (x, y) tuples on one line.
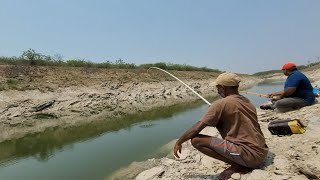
[(30, 57)]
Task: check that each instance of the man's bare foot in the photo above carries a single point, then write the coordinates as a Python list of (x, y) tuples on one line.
[(226, 174)]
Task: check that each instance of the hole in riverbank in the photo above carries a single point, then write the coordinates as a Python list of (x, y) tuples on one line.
[(44, 116)]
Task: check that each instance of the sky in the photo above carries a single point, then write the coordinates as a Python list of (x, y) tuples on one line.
[(244, 36)]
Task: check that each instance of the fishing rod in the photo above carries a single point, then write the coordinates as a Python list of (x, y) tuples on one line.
[(183, 84), (254, 93)]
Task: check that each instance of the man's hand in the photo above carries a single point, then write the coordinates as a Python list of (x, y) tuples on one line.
[(177, 148), (189, 134), (270, 95)]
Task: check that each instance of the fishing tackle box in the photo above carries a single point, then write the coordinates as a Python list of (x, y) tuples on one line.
[(286, 127)]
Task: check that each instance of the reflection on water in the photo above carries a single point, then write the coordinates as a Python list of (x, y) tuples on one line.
[(116, 137), (271, 83)]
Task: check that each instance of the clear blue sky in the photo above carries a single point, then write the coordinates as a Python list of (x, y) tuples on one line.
[(244, 36)]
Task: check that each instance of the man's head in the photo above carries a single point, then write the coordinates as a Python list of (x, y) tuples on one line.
[(227, 83), (288, 68)]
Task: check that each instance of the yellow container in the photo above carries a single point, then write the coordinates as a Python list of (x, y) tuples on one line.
[(286, 127), (296, 126)]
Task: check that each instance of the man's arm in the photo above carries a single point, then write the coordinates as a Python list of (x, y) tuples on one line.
[(278, 93), (189, 134), (283, 93), (288, 92)]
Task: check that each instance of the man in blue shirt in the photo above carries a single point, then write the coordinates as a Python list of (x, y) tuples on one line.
[(297, 93)]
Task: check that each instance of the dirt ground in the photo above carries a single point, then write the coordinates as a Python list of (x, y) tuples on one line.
[(51, 78)]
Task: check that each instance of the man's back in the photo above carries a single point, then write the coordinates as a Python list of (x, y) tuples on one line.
[(236, 119), (302, 84)]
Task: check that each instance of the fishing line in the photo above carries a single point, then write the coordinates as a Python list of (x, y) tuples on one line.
[(254, 93), (183, 84)]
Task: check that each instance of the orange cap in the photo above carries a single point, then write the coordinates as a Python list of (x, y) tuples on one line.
[(289, 66)]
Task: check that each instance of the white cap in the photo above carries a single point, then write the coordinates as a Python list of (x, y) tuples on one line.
[(228, 79)]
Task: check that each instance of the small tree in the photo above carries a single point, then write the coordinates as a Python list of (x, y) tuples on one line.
[(57, 57), (31, 56)]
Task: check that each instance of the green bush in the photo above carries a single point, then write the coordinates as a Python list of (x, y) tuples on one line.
[(31, 57), (178, 67)]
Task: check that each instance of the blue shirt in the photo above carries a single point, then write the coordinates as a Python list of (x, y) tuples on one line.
[(304, 89)]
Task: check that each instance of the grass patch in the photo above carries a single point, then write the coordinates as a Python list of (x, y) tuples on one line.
[(12, 84)]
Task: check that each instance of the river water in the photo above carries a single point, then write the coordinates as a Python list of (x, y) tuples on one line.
[(96, 150)]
